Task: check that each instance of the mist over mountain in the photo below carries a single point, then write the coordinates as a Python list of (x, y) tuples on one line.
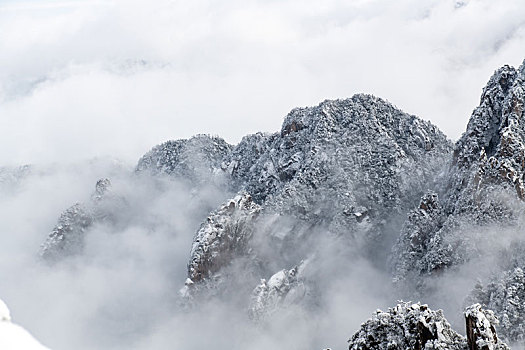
[(287, 239), (131, 74)]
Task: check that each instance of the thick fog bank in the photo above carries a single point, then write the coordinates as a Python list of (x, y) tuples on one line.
[(123, 290)]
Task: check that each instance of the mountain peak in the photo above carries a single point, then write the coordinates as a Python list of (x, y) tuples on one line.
[(497, 118), (195, 158)]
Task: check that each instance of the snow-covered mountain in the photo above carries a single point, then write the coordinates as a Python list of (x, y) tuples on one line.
[(373, 181)]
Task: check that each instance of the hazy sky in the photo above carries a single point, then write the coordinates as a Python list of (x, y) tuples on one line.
[(82, 79)]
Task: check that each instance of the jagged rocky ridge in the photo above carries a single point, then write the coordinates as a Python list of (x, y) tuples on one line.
[(67, 236), (476, 212), (481, 329), (14, 337), (197, 160), (486, 174), (416, 326), (345, 166), (353, 168)]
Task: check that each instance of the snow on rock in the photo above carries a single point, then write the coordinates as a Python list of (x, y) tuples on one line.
[(416, 326), (14, 337), (12, 177), (484, 184), (224, 236), (245, 158), (67, 236), (481, 331), (285, 287), (101, 188), (345, 166), (352, 168), (350, 165), (197, 160), (407, 326)]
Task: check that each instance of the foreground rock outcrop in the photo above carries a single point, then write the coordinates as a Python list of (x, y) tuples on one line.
[(416, 326)]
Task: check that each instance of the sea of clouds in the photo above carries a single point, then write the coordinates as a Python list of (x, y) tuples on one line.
[(86, 87)]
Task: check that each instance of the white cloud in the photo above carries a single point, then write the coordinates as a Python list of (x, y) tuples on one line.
[(80, 79), (73, 84)]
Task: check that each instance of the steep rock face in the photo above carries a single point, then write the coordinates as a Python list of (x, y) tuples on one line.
[(67, 236), (416, 326), (14, 337), (505, 295), (347, 165), (198, 159), (484, 183), (224, 236), (10, 177), (352, 167), (417, 234)]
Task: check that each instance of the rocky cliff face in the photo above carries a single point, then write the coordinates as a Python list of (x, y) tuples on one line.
[(505, 294), (407, 326), (67, 237), (347, 167)]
